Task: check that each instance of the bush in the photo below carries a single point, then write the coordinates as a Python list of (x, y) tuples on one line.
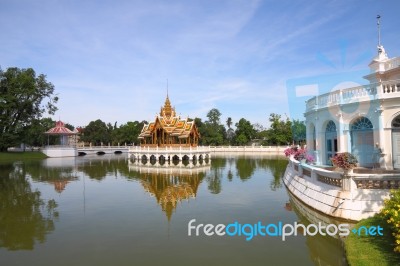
[(390, 212)]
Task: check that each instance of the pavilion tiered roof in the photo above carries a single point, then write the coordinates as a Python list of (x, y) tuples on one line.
[(60, 129)]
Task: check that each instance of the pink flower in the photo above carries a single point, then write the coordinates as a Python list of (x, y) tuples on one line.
[(344, 160), (299, 154)]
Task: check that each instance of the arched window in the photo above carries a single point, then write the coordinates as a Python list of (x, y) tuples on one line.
[(362, 123), (396, 142), (331, 127), (331, 141), (362, 141), (396, 122)]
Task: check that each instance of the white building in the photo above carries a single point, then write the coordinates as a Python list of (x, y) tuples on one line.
[(363, 120)]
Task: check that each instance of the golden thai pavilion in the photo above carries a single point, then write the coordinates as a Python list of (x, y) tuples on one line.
[(169, 129)]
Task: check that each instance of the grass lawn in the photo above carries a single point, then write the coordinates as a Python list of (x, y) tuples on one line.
[(11, 156), (372, 250)]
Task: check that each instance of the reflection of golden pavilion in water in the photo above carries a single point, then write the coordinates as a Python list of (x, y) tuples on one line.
[(170, 185), (169, 129)]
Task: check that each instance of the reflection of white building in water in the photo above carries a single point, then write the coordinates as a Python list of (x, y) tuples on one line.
[(363, 120)]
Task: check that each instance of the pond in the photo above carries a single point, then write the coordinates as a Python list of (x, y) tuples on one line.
[(106, 210)]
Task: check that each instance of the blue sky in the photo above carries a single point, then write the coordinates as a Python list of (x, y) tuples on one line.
[(110, 60)]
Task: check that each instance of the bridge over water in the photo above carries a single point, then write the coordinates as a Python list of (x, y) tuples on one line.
[(170, 152), (100, 150), (137, 151)]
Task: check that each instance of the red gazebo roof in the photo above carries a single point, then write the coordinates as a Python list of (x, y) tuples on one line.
[(59, 129)]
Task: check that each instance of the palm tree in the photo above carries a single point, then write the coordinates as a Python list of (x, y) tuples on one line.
[(230, 130), (229, 122)]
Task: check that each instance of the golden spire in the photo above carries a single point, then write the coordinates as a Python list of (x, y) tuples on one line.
[(167, 110)]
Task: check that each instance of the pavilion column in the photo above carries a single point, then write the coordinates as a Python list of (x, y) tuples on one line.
[(341, 134), (318, 141), (381, 128)]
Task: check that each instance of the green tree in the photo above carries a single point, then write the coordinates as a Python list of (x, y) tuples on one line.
[(261, 133), (127, 133), (214, 117), (245, 132), (34, 133), (280, 131), (201, 128), (230, 134), (97, 133), (69, 126), (213, 134), (229, 122), (299, 131), (24, 97), (211, 131)]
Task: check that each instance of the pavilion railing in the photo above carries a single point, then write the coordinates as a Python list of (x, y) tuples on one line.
[(368, 179)]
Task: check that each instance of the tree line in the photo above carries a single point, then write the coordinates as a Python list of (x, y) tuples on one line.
[(25, 98), (282, 131)]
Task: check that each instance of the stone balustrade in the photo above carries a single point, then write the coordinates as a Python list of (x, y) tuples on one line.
[(255, 149), (393, 63), (353, 182), (373, 91)]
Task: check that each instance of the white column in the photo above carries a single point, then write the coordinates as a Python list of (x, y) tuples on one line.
[(381, 132), (381, 128), (318, 141), (347, 132), (341, 134)]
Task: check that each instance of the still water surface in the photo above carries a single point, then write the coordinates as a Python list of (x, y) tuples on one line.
[(105, 211)]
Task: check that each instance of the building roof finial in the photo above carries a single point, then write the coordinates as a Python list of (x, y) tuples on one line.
[(379, 29), (382, 55)]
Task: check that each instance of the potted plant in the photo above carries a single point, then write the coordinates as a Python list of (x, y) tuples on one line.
[(289, 152), (299, 154), (346, 161)]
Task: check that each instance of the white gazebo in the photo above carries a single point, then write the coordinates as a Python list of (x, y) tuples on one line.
[(63, 149)]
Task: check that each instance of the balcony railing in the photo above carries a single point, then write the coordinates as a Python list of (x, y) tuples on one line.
[(368, 179), (373, 91), (393, 63)]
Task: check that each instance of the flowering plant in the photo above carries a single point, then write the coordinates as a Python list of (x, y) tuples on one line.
[(310, 158), (299, 154), (290, 151), (391, 211), (344, 160)]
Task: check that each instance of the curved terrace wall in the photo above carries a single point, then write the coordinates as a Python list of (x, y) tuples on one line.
[(357, 197)]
